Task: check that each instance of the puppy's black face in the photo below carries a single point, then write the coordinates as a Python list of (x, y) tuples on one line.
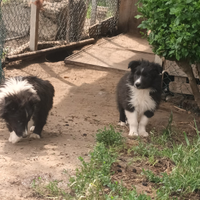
[(17, 118), (17, 113), (143, 74), (143, 77)]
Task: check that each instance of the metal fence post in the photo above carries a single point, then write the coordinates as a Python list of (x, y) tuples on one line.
[(34, 24), (93, 12)]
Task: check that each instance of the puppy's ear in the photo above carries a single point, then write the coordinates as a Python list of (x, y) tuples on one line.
[(159, 69), (133, 65), (5, 106), (34, 98)]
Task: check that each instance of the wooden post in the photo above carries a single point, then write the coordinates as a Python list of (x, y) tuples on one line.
[(93, 12), (125, 10), (34, 24), (70, 21)]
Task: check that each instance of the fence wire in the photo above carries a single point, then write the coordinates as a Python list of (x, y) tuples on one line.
[(2, 38), (60, 22)]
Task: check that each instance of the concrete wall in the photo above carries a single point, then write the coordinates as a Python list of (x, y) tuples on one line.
[(127, 20)]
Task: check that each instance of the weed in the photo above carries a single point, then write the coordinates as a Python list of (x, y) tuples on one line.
[(49, 190), (166, 134), (109, 137), (151, 176)]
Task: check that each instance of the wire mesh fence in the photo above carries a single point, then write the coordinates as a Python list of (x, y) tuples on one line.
[(60, 22), (2, 38)]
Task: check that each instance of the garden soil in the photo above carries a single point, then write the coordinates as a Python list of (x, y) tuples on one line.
[(84, 102)]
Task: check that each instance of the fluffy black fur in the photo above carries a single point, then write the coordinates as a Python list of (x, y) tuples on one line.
[(17, 108), (143, 75)]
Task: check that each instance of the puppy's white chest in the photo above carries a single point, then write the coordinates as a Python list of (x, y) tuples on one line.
[(141, 100)]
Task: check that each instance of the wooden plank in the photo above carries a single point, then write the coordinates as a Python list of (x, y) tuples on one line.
[(92, 66), (180, 79), (180, 88), (71, 45), (174, 70), (34, 24)]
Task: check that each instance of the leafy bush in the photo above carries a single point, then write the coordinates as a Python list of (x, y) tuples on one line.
[(174, 26), (174, 33)]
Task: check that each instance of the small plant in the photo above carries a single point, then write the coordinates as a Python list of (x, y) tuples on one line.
[(109, 137), (54, 190), (168, 130), (50, 190), (151, 176), (165, 137)]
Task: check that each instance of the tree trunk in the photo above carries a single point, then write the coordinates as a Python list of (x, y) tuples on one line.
[(198, 69), (186, 67)]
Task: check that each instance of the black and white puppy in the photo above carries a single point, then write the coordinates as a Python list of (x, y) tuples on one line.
[(138, 95), (22, 100)]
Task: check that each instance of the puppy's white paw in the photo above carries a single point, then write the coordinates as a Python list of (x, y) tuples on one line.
[(122, 123), (14, 138), (35, 136), (132, 134), (32, 128), (143, 134)]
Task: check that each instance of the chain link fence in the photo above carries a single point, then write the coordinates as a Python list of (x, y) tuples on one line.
[(2, 39), (60, 22)]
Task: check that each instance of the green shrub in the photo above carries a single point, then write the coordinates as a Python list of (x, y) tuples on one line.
[(174, 26)]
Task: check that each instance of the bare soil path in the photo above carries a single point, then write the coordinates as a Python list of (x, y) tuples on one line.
[(84, 102)]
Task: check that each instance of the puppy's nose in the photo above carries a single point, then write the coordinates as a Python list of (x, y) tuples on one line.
[(25, 133), (137, 84)]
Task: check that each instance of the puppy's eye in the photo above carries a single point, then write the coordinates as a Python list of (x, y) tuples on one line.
[(20, 122), (12, 108), (138, 73)]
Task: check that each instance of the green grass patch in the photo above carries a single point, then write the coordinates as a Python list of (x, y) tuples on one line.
[(184, 178), (93, 180)]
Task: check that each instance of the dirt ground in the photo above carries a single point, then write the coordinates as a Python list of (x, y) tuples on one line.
[(84, 102)]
